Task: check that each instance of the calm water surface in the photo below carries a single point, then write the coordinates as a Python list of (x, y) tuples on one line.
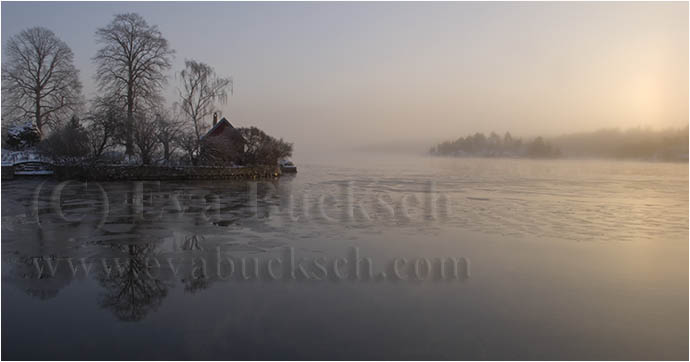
[(564, 260)]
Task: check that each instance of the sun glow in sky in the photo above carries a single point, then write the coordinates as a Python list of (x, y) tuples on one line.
[(340, 74)]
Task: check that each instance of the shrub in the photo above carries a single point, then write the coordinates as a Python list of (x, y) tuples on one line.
[(67, 144), (262, 149)]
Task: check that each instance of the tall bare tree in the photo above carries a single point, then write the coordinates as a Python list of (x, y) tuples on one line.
[(132, 65), (200, 89), (169, 129), (39, 80)]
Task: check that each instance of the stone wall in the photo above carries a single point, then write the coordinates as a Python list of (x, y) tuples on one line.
[(125, 173)]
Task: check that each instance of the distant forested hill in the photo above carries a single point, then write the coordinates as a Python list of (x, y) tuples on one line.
[(496, 146), (646, 144)]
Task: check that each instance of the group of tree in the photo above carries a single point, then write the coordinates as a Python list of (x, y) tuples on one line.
[(42, 104), (496, 146)]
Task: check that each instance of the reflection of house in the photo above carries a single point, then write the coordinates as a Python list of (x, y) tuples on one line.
[(223, 144)]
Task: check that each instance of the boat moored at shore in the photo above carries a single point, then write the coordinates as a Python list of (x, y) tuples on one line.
[(287, 166)]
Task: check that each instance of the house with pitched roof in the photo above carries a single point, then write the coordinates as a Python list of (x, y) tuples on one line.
[(222, 145)]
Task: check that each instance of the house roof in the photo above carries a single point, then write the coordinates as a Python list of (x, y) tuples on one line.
[(216, 126)]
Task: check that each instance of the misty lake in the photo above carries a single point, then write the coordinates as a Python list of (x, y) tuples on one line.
[(584, 259)]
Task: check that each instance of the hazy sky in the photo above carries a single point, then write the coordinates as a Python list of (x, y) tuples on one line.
[(334, 74)]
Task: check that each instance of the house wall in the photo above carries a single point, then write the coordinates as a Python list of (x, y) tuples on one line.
[(222, 149)]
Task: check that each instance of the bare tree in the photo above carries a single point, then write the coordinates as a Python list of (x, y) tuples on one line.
[(145, 136), (189, 143), (169, 129), (104, 119), (200, 89), (39, 80), (131, 65)]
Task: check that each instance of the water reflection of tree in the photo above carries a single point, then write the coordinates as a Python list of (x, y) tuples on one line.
[(23, 273), (196, 284), (195, 281), (135, 290), (130, 292), (192, 242)]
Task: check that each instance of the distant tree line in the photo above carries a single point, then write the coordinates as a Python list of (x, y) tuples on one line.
[(636, 143), (495, 146), (127, 121)]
